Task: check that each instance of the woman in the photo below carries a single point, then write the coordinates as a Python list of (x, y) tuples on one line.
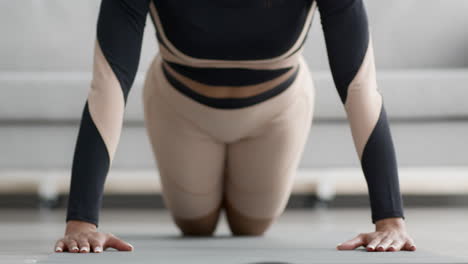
[(228, 104)]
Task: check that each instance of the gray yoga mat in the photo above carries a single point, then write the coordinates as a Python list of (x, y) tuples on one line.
[(288, 248)]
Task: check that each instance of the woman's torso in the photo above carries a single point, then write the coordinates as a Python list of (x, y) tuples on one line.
[(231, 48)]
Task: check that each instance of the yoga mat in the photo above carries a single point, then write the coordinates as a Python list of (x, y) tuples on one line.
[(288, 248)]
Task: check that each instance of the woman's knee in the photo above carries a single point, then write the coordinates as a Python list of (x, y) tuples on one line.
[(202, 226), (242, 225)]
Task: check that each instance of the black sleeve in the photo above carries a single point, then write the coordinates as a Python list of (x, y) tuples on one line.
[(351, 59), (117, 49)]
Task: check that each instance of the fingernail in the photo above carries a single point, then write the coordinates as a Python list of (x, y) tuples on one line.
[(84, 249), (74, 248), (130, 245), (371, 247), (339, 244), (58, 249), (97, 249)]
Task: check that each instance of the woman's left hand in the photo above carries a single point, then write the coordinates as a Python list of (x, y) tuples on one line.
[(390, 235)]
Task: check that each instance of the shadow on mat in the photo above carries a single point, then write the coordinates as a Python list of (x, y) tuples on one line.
[(178, 237), (267, 262), (265, 243)]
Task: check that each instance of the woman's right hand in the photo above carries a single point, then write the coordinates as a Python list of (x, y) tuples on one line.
[(82, 237)]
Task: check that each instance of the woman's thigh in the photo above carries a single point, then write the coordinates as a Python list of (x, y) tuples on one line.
[(261, 168), (190, 162)]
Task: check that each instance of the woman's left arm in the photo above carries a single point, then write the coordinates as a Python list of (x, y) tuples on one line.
[(351, 59)]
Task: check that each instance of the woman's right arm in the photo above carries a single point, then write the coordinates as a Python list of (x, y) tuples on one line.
[(117, 50)]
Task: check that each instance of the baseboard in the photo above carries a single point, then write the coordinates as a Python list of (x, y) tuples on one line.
[(326, 183), (296, 201)]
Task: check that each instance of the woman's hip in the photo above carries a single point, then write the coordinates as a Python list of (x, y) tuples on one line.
[(226, 124)]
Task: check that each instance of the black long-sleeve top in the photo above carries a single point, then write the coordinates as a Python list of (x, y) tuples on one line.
[(231, 31)]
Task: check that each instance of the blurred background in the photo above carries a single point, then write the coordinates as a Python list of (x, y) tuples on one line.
[(421, 50)]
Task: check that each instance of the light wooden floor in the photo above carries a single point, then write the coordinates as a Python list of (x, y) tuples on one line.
[(299, 236)]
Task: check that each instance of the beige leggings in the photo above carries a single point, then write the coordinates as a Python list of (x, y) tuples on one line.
[(243, 160)]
